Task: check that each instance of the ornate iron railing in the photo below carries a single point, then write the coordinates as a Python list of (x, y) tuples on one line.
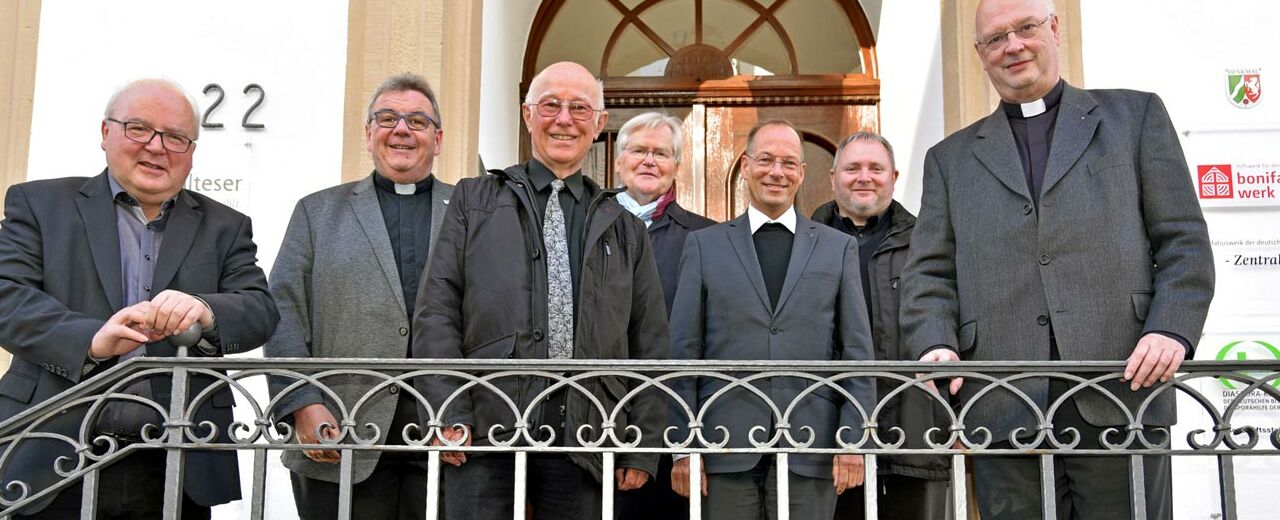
[(1224, 436)]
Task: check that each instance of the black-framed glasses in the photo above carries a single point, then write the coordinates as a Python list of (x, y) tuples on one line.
[(766, 162), (419, 121), (141, 133), (579, 110), (1026, 31)]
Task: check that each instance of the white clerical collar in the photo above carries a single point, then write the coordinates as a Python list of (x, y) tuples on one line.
[(406, 189), (758, 218), (1033, 108)]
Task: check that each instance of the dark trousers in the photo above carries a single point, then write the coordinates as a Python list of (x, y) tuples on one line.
[(655, 499), (900, 498), (396, 490), (555, 488), (1087, 487), (753, 494), (131, 489)]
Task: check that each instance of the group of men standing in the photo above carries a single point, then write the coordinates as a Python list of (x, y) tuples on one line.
[(537, 261)]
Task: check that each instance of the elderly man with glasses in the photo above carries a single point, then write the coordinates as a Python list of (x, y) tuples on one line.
[(538, 262), (346, 281), (1063, 226), (95, 271)]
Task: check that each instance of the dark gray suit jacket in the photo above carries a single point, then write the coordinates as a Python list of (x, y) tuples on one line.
[(338, 288), (1117, 249), (60, 280), (722, 311)]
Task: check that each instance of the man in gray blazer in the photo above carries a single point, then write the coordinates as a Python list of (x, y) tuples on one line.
[(346, 281), (1062, 226), (772, 285)]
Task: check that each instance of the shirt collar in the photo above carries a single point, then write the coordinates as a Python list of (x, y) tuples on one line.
[(1037, 107), (541, 177), (121, 196), (385, 184), (757, 218)]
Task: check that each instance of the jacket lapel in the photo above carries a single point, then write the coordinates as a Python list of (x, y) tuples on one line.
[(97, 210), (364, 202), (439, 203), (801, 248), (997, 151), (1071, 134), (740, 238), (179, 233)]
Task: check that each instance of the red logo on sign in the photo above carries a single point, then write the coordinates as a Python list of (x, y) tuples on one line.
[(1215, 181)]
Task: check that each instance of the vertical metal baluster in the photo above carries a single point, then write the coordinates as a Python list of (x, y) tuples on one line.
[(175, 463), (606, 483), (959, 487), (433, 485), (784, 487), (345, 485), (1137, 477), (1048, 488), (695, 485), (1227, 486), (522, 470), (88, 496), (870, 489), (259, 498)]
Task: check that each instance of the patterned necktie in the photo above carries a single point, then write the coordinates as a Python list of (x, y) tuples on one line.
[(559, 278)]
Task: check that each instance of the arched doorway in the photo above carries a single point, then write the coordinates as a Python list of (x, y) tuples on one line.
[(721, 66)]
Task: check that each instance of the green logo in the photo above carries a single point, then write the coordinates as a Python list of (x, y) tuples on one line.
[(1245, 350)]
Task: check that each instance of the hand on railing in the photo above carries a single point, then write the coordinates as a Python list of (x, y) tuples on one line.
[(943, 355), (311, 419), (1155, 357), (123, 332), (630, 478), (680, 477), (456, 458), (847, 472), (173, 311)]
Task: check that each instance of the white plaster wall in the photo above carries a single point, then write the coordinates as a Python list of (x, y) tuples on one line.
[(506, 31), (295, 49)]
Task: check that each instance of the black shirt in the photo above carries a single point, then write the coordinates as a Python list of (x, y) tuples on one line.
[(870, 236), (573, 202), (408, 220), (1034, 136)]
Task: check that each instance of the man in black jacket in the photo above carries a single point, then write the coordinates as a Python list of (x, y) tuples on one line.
[(911, 486), (538, 262)]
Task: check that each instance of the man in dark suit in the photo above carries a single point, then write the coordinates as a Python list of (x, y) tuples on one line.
[(97, 270), (1062, 226), (771, 285), (648, 155), (912, 487), (346, 281), (537, 262)]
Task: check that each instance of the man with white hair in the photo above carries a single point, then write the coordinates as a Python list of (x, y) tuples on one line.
[(94, 271), (1063, 226), (538, 262)]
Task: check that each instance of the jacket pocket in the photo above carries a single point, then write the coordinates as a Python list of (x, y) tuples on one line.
[(968, 335), (498, 348), (19, 387), (1141, 304)]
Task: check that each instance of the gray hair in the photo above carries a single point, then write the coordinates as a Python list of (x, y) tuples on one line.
[(649, 121), (871, 137), (404, 82), (109, 112), (751, 136)]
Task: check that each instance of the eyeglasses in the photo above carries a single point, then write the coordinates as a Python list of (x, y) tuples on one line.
[(141, 133), (414, 120), (1027, 31), (659, 154), (766, 162), (577, 109)]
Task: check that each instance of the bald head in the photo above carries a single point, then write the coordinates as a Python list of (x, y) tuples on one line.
[(149, 87), (566, 71)]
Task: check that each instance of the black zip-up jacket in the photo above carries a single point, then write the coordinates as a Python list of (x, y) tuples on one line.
[(484, 296), (912, 410)]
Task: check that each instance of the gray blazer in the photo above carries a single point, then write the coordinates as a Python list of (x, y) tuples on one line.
[(722, 311), (337, 286), (1117, 249)]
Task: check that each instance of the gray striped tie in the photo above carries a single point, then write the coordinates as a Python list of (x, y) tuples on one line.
[(559, 278)]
